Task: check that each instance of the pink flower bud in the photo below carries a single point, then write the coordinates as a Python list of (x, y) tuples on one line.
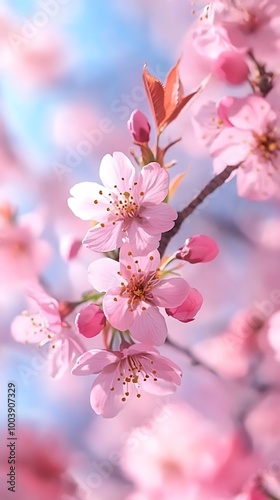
[(199, 248), (231, 68), (139, 126), (90, 321), (186, 311)]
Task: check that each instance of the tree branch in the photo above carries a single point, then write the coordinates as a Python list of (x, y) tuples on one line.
[(192, 357), (188, 210)]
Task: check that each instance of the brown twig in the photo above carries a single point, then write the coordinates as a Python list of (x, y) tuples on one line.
[(188, 210), (192, 357)]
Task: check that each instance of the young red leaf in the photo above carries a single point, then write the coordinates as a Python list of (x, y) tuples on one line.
[(173, 90), (155, 93)]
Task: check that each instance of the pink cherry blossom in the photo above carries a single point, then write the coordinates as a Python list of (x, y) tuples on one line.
[(210, 41), (137, 367), (40, 63), (46, 326), (128, 208), (189, 308), (139, 126), (183, 451), (251, 25), (198, 248), (210, 120), (134, 293), (90, 320), (41, 473), (274, 333), (23, 256), (254, 141)]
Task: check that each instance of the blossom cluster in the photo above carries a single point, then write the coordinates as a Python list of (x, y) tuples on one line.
[(240, 42), (135, 303), (135, 290)]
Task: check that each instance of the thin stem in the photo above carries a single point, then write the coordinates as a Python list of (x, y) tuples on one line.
[(192, 357), (188, 210)]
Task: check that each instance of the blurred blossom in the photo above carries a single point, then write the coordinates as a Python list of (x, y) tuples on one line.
[(231, 67), (47, 325), (274, 334), (41, 62), (182, 453), (40, 473), (23, 256)]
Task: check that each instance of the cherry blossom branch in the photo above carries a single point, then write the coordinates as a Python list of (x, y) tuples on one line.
[(215, 183), (192, 357)]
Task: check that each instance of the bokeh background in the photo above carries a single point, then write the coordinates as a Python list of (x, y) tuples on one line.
[(71, 70)]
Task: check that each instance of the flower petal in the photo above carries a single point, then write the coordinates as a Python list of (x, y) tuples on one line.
[(87, 202), (117, 311), (27, 329), (104, 238), (165, 378), (149, 326), (103, 274), (256, 183), (171, 292), (117, 170), (250, 113), (231, 147), (131, 262), (94, 361), (61, 355), (103, 400), (158, 218), (154, 183), (142, 240)]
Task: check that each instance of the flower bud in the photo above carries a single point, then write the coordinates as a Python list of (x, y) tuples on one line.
[(139, 126), (231, 68), (199, 248), (186, 311), (90, 321)]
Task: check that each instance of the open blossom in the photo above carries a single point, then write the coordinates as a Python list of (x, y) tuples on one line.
[(250, 137), (128, 208), (46, 326), (135, 367), (134, 293)]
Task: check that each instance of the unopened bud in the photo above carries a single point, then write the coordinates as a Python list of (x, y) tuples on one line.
[(186, 311), (139, 127), (199, 248), (90, 321)]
